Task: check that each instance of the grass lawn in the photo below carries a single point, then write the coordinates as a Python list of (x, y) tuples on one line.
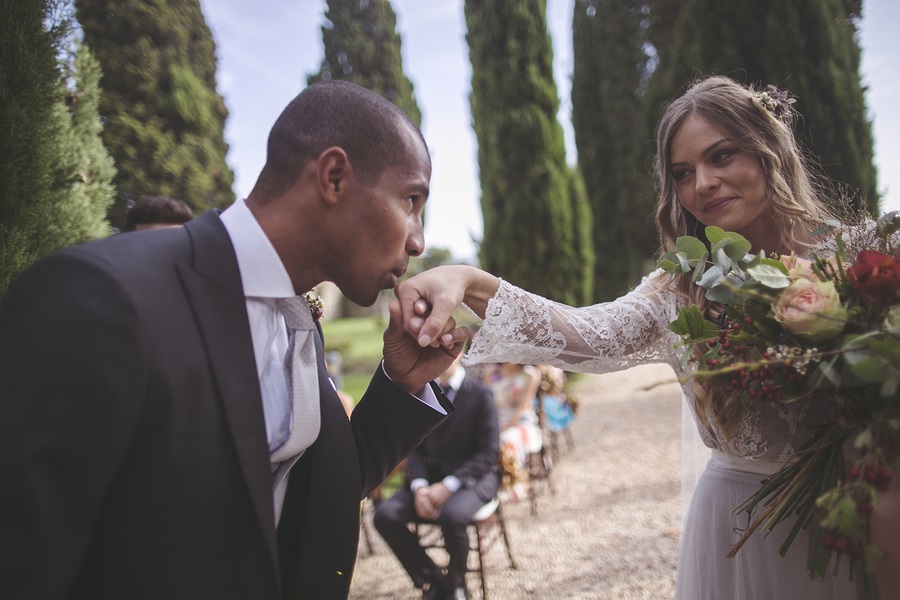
[(359, 341)]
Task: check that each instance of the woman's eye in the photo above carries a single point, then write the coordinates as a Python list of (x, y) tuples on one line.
[(680, 174), (722, 155)]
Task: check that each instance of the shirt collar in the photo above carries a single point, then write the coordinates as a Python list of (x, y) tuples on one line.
[(262, 273), (457, 378)]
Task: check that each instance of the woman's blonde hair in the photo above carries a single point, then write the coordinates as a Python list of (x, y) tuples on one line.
[(741, 113)]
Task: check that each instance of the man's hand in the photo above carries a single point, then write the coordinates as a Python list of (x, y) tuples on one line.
[(430, 499), (410, 365), (425, 508), (439, 494)]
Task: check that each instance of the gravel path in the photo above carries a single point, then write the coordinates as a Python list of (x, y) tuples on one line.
[(611, 530)]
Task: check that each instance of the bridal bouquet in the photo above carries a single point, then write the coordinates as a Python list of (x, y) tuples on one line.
[(824, 330)]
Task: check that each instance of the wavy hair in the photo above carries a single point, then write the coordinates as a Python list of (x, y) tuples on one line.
[(791, 189)]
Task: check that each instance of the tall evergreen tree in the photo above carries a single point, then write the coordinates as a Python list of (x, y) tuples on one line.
[(362, 46), (536, 218), (609, 66), (164, 118), (807, 46), (54, 171)]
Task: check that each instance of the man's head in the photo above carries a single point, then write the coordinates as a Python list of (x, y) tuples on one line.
[(157, 212), (343, 188)]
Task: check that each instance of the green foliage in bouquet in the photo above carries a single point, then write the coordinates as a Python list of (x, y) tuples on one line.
[(821, 330)]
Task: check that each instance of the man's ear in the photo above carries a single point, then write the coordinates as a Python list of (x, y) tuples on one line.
[(333, 172)]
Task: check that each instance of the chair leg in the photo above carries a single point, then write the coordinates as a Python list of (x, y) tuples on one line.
[(480, 541), (509, 554)]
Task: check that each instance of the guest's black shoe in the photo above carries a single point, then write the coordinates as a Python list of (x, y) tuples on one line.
[(435, 590), (434, 584)]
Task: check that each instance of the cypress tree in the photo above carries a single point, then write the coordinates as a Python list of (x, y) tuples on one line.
[(536, 218), (164, 118), (54, 172), (806, 46), (362, 46), (609, 68)]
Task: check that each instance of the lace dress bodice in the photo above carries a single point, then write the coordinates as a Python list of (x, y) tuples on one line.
[(611, 336)]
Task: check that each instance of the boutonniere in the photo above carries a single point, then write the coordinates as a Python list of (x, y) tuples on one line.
[(315, 304)]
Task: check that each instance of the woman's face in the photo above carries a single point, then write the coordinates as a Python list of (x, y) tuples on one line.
[(720, 184)]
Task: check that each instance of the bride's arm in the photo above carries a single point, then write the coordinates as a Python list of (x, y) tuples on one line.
[(527, 328)]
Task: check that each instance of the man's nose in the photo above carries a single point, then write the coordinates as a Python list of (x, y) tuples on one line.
[(415, 242)]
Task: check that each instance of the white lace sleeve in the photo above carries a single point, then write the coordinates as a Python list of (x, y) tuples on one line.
[(522, 327)]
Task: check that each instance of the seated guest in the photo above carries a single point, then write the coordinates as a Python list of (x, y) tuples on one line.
[(157, 212), (452, 474), (515, 388)]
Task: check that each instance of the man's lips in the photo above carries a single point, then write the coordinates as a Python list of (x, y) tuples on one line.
[(395, 276)]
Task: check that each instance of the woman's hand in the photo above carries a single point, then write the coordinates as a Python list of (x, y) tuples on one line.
[(428, 300), (410, 365)]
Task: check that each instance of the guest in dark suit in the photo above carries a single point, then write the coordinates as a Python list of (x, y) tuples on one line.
[(152, 444), (451, 475)]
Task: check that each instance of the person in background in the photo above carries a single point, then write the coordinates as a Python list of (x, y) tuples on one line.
[(515, 388), (451, 475), (157, 212)]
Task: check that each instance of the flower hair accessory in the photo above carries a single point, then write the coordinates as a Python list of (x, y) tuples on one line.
[(315, 304), (778, 103)]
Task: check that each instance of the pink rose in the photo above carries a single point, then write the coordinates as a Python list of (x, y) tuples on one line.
[(811, 310), (798, 268)]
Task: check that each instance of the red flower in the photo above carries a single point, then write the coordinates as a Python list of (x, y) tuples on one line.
[(876, 277)]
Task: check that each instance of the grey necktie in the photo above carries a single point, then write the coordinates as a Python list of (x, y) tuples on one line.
[(303, 378)]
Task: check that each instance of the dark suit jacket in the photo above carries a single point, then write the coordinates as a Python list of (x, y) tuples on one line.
[(133, 455), (466, 445)]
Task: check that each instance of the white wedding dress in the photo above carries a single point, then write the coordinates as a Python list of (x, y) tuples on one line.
[(632, 330)]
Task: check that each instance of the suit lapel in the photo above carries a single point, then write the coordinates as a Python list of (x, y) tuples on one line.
[(213, 287)]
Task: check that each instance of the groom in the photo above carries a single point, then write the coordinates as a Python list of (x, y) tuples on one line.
[(152, 444)]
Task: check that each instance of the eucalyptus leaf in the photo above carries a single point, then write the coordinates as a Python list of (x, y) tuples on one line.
[(693, 248), (721, 260), (720, 293), (888, 350), (699, 270), (711, 278), (738, 248), (865, 366), (715, 234), (770, 275)]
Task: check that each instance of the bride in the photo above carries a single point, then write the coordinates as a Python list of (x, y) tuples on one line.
[(726, 157)]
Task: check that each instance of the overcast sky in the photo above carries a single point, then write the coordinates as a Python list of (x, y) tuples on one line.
[(267, 47)]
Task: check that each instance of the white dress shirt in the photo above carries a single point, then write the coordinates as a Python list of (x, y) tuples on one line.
[(265, 280), (451, 482)]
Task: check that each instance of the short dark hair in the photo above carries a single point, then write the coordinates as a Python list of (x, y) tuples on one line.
[(157, 209), (333, 113)]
